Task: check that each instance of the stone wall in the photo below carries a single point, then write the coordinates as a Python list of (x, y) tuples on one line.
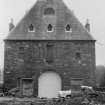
[(27, 59)]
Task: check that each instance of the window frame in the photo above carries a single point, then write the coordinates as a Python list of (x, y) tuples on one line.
[(31, 30), (52, 28), (68, 30)]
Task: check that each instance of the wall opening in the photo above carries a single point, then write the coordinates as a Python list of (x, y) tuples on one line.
[(49, 11), (76, 83), (27, 86), (68, 28), (49, 53), (31, 28), (50, 28), (49, 84)]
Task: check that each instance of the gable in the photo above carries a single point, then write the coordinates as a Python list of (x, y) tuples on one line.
[(46, 12)]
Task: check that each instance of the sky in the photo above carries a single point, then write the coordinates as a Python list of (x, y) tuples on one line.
[(83, 10)]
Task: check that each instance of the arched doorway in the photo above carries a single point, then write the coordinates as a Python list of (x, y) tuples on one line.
[(49, 84)]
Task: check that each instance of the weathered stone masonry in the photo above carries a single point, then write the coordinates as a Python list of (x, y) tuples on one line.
[(27, 59), (49, 38)]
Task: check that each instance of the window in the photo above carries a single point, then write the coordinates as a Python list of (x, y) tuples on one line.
[(50, 28), (78, 55), (31, 28), (27, 86), (49, 53), (49, 11), (21, 50), (76, 83), (68, 28)]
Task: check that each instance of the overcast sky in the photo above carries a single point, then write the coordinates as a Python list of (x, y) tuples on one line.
[(83, 9)]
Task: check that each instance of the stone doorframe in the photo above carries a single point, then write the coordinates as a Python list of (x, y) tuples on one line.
[(29, 86)]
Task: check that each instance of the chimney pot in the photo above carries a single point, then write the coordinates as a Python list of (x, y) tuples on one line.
[(11, 25), (87, 25)]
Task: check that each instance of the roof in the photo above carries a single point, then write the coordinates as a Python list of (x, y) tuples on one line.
[(40, 21)]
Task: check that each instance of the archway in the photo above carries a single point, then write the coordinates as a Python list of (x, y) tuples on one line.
[(49, 84)]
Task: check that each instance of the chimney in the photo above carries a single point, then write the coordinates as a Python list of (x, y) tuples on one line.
[(87, 25), (11, 25)]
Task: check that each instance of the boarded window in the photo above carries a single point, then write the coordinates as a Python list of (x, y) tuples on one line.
[(76, 83), (49, 11), (27, 87), (50, 53), (21, 48), (78, 55), (21, 51)]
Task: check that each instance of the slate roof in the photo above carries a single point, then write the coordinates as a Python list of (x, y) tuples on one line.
[(59, 20)]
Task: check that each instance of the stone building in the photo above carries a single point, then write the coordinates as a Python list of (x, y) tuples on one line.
[(48, 51)]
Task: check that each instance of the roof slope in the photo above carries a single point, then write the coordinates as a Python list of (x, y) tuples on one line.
[(59, 20)]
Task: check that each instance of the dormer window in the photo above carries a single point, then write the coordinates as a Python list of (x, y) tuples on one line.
[(31, 28), (50, 28), (68, 28), (49, 11)]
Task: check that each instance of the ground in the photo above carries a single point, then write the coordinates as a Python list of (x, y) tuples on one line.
[(37, 101)]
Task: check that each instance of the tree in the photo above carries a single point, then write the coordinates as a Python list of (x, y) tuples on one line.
[(100, 76)]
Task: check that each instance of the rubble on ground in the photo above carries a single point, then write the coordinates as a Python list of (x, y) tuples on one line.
[(86, 97)]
